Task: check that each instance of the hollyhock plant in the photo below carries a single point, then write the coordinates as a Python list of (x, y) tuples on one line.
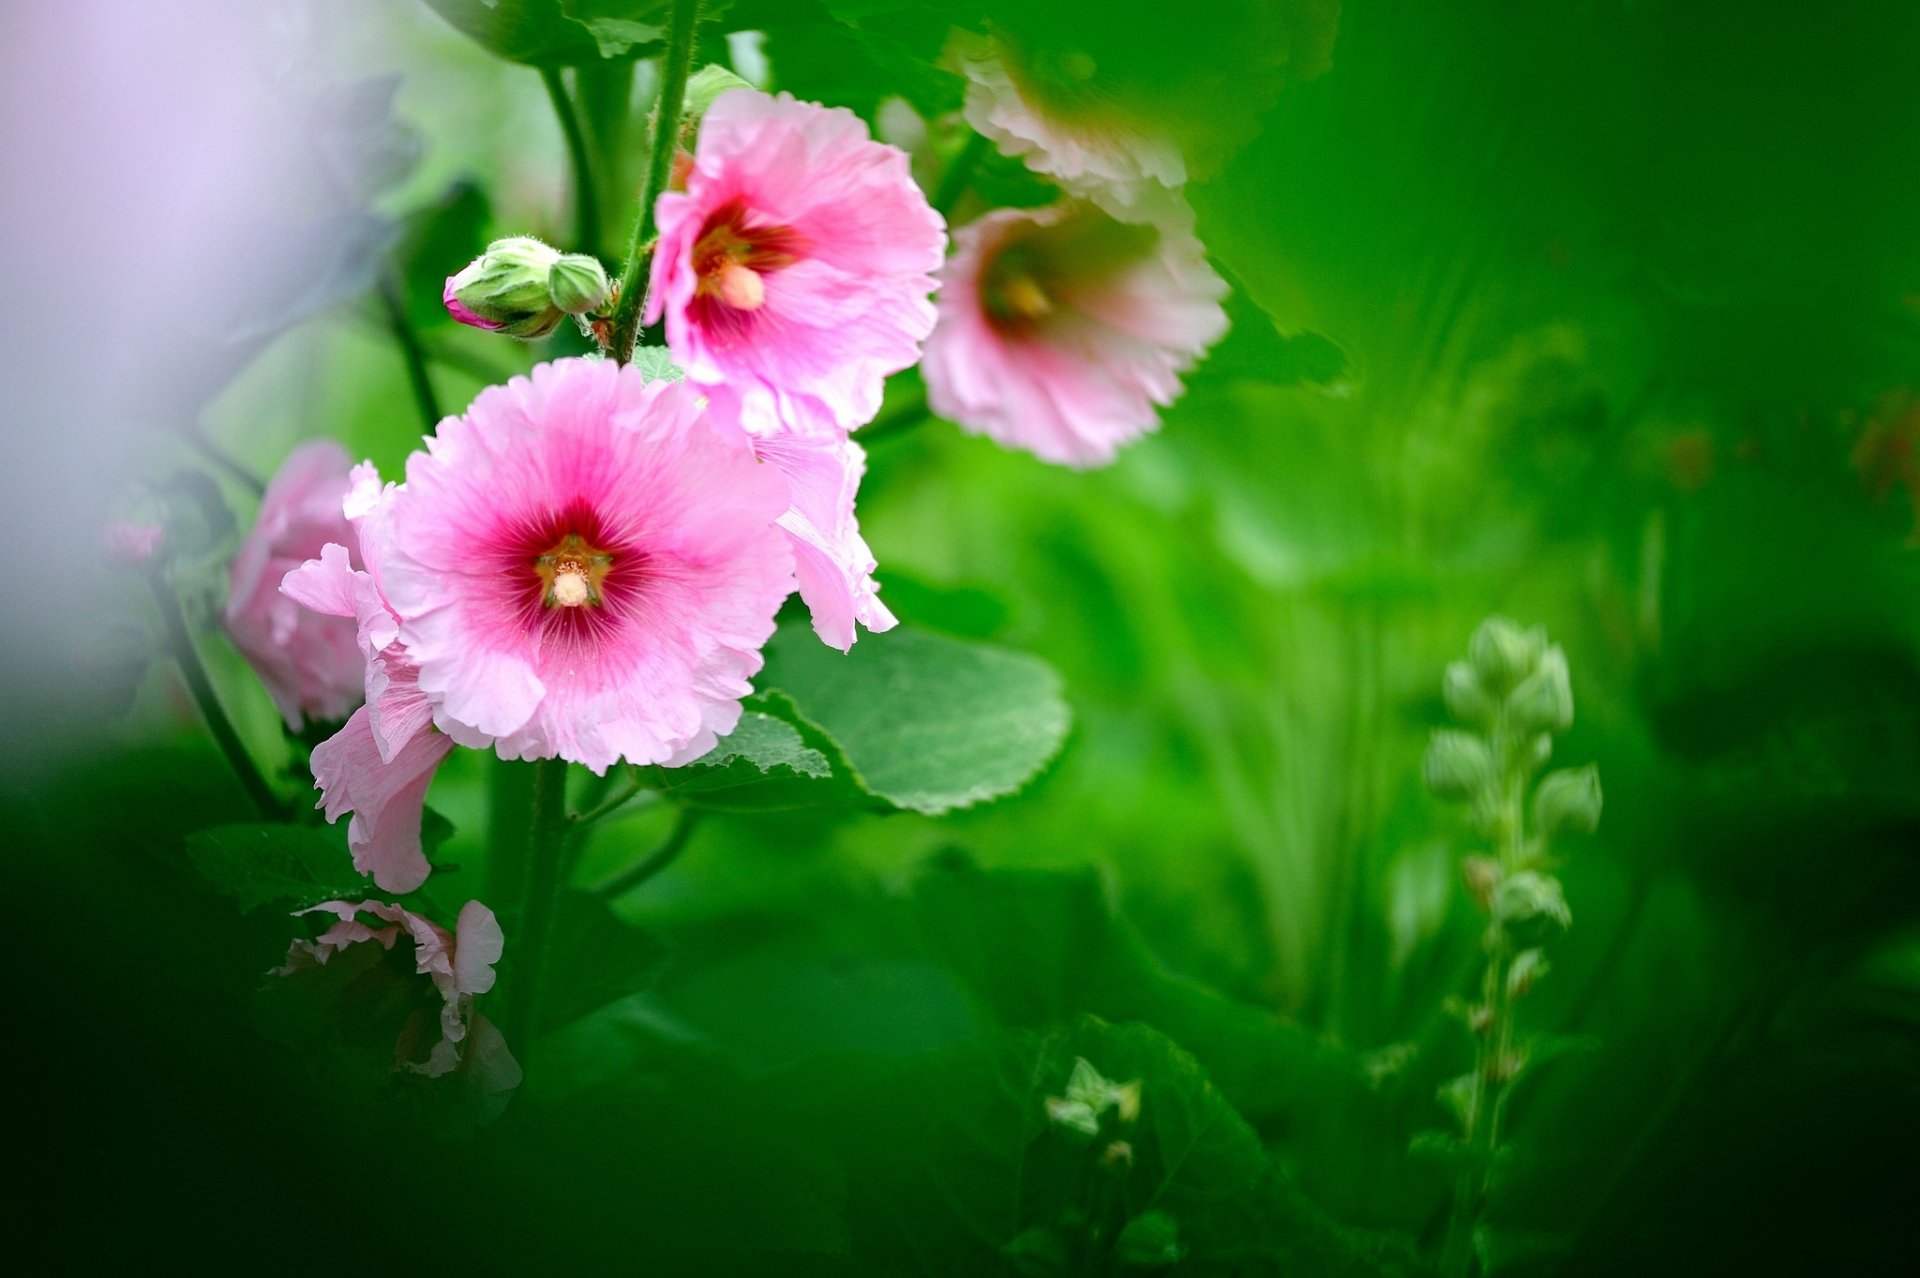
[(1045, 115), (793, 270), (460, 965), (833, 565), (312, 665), (1062, 330)]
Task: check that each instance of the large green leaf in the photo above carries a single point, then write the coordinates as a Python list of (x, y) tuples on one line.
[(291, 865), (593, 959), (928, 723), (551, 33), (773, 760)]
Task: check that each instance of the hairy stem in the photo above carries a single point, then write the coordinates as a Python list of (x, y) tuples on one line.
[(545, 839), (581, 821), (666, 135), (415, 355), (194, 671), (657, 860), (586, 199)]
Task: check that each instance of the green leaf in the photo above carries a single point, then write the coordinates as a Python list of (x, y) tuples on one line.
[(774, 760), (928, 723), (593, 959), (290, 865), (436, 242), (656, 364), (1150, 1241), (559, 33)]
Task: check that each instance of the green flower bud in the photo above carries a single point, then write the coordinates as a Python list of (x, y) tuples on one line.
[(505, 289), (578, 284), (1458, 765), (1503, 654), (1530, 909), (1481, 875), (703, 86), (1466, 698), (1568, 802), (1544, 700)]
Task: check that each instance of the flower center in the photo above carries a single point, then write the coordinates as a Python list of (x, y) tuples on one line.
[(732, 259), (571, 573)]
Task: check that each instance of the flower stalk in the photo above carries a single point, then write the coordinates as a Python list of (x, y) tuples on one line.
[(546, 839), (666, 133), (586, 197)]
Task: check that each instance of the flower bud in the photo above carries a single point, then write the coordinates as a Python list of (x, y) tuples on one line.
[(1482, 875), (1466, 698), (1458, 765), (1568, 802), (703, 86), (1527, 967), (505, 289), (1502, 654), (129, 545), (1544, 700), (578, 284), (1530, 909)]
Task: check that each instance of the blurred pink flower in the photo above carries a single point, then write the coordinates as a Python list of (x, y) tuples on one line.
[(128, 545), (459, 963), (1132, 172), (310, 664), (794, 270), (831, 558), (585, 565), (1061, 329)]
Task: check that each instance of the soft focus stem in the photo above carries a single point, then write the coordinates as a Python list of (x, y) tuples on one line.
[(581, 821), (222, 460), (959, 174), (412, 352), (586, 200), (187, 657), (666, 137), (657, 860), (545, 840)]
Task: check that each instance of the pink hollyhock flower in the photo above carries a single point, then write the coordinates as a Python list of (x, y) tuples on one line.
[(460, 965), (128, 545), (831, 559), (793, 271), (311, 665), (380, 765), (585, 565), (1133, 171), (1061, 329)]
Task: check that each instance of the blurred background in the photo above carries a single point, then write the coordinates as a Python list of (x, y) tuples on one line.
[(1603, 316)]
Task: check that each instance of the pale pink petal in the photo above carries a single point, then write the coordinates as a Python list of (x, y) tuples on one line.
[(831, 559), (387, 799), (478, 944)]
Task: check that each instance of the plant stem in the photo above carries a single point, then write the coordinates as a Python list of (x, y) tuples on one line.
[(222, 459), (545, 839), (657, 860), (954, 182), (666, 138), (187, 657), (586, 200), (578, 823), (412, 352)]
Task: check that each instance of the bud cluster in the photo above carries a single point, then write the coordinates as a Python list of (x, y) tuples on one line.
[(524, 288)]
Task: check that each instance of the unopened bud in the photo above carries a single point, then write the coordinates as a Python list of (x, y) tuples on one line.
[(1466, 699), (1544, 700), (505, 289), (128, 545), (1530, 909), (1528, 966), (703, 86), (1568, 802), (1482, 875), (1503, 654), (1118, 1152), (1458, 765), (578, 284)]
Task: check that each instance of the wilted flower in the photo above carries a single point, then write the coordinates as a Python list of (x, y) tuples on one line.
[(310, 664), (460, 965), (585, 565), (1062, 329), (793, 271)]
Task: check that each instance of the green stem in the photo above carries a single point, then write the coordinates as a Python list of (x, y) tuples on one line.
[(666, 136), (954, 182), (586, 200), (545, 839), (412, 352), (657, 860), (222, 459), (187, 657), (580, 822)]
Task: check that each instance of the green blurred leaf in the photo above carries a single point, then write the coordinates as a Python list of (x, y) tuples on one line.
[(594, 958), (558, 33), (774, 760), (289, 865), (436, 242), (929, 723)]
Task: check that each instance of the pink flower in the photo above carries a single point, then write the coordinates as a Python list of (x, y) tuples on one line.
[(460, 965), (1128, 168), (586, 566), (1061, 329), (310, 664), (128, 545), (794, 270), (831, 559)]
